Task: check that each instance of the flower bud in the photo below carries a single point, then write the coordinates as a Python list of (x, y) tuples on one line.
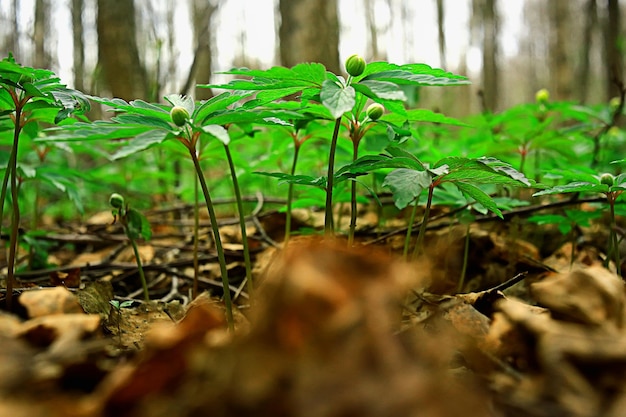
[(179, 115), (355, 65), (542, 96), (375, 111), (116, 201), (607, 179), (614, 103)]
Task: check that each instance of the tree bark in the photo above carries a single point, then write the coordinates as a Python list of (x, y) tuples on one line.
[(309, 32), (591, 20), (488, 17), (118, 54), (442, 34), (79, 44), (202, 13), (41, 58), (560, 62), (613, 50)]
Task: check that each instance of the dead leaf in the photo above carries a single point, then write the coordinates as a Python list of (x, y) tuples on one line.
[(47, 301)]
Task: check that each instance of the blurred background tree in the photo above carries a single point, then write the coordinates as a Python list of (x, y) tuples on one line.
[(145, 49)]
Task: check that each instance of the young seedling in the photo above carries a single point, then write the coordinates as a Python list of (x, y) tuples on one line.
[(27, 97), (117, 307), (611, 186), (135, 226), (567, 223)]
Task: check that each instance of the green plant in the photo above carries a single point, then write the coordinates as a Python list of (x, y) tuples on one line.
[(381, 82), (588, 181), (117, 307), (28, 98), (135, 226), (567, 222)]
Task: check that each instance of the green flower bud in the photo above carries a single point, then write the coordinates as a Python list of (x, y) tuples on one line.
[(116, 201), (607, 179), (179, 115), (542, 96), (614, 103), (355, 65), (375, 111)]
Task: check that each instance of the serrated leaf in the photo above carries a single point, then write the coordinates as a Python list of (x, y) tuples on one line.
[(471, 191), (380, 90), (337, 99), (423, 115), (573, 187), (218, 132), (183, 101), (295, 179), (141, 142), (406, 185)]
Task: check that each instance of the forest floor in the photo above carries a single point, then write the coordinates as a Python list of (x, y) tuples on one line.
[(328, 331)]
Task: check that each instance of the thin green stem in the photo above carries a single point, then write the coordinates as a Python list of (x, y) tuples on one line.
[(242, 223), (407, 240), (218, 241), (196, 237), (15, 216), (353, 208), (420, 238), (296, 152), (328, 218), (613, 237), (144, 284)]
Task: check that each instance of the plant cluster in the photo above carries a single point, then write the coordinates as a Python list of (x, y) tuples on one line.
[(361, 132)]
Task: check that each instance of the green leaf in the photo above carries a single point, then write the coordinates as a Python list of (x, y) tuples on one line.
[(337, 99), (422, 115), (218, 132), (471, 191), (406, 185), (413, 74), (137, 225), (141, 142), (574, 187), (183, 101), (296, 179), (380, 90)]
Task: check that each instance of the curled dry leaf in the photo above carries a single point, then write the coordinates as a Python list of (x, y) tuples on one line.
[(48, 301), (591, 296)]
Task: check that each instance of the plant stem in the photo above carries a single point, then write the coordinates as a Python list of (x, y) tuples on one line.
[(144, 284), (328, 218), (422, 232), (613, 236), (409, 229), (296, 152), (242, 222), (15, 216), (218, 241), (353, 209), (196, 237)]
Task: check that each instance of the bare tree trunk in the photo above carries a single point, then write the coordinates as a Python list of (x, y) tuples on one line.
[(488, 17), (309, 32), (118, 54), (13, 41), (200, 71), (560, 63), (442, 34), (79, 44), (613, 50), (591, 20), (41, 58), (370, 21)]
